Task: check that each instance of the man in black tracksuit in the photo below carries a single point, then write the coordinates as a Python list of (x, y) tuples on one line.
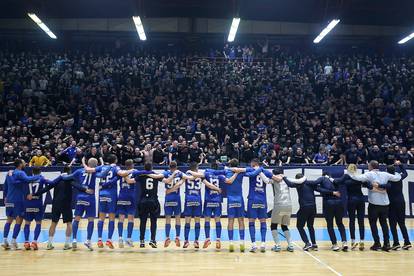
[(397, 208), (61, 205), (332, 208)]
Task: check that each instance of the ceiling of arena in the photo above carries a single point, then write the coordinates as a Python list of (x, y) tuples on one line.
[(364, 12)]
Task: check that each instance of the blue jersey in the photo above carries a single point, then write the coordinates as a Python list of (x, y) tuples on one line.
[(257, 187), (193, 190), (34, 187), (109, 179), (126, 190), (174, 196), (218, 181), (16, 184), (70, 152), (84, 179), (235, 191)]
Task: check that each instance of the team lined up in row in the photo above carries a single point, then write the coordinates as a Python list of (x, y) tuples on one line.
[(139, 188)]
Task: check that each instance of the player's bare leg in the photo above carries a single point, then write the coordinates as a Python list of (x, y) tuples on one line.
[(167, 231), (218, 233), (101, 223), (230, 229), (207, 242), (52, 231), (68, 233), (177, 230), (110, 230), (241, 230), (6, 231)]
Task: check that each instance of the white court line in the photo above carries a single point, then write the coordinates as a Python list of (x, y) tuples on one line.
[(318, 260)]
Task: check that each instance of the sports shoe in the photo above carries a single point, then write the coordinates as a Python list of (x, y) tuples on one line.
[(74, 245), (49, 246), (396, 247), (345, 246), (375, 247), (186, 244), (218, 244), (121, 243), (26, 245), (142, 244), (231, 247), (206, 243), (335, 247), (386, 247), (88, 245), (5, 245), (100, 244), (354, 245), (14, 245), (314, 247), (361, 246), (263, 248), (307, 247), (253, 249), (407, 246), (196, 245), (109, 244), (167, 242), (242, 247), (177, 242), (153, 244), (276, 248), (34, 245), (130, 243), (67, 246), (290, 248)]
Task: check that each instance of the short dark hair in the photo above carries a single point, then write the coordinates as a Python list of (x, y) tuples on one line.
[(18, 162), (36, 170), (391, 169), (173, 165), (277, 171), (112, 158), (233, 162), (129, 162), (193, 166), (299, 175), (255, 160), (374, 164), (326, 173), (67, 169), (147, 166)]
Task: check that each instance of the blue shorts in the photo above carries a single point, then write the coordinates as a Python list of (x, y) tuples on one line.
[(256, 210), (107, 204), (212, 209), (15, 209), (87, 206), (126, 207), (192, 209), (33, 210), (172, 208), (235, 209)]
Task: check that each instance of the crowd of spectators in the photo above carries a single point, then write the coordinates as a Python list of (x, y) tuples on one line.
[(295, 108)]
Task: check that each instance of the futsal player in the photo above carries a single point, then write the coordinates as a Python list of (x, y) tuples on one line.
[(282, 209), (14, 188)]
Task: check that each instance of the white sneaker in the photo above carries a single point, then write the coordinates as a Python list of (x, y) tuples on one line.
[(74, 245), (263, 248), (6, 245), (335, 247), (253, 249), (67, 246), (88, 245), (130, 243), (121, 243), (49, 246), (14, 245)]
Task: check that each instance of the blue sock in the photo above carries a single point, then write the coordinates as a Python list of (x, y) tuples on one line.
[(218, 230), (90, 229), (186, 231), (252, 231), (130, 228), (75, 226), (16, 230), (197, 230), (207, 229), (120, 229), (263, 230), (26, 231), (241, 233), (6, 230), (231, 233), (167, 230), (37, 231), (111, 228), (177, 230), (100, 229)]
